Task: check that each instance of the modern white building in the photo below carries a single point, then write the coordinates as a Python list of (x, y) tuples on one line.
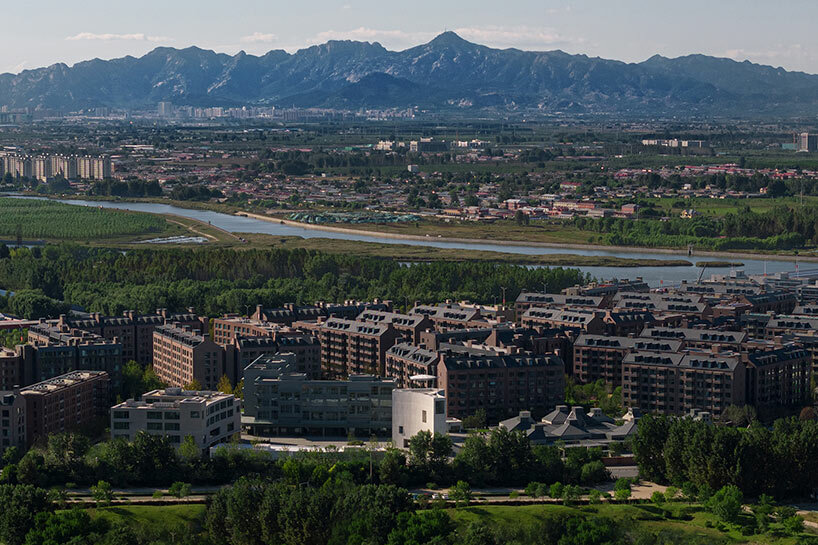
[(209, 417), (415, 410)]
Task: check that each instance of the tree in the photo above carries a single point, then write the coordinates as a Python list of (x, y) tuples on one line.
[(431, 450), (594, 496), (432, 527), (189, 450), (392, 466), (102, 492), (657, 497), (461, 493), (179, 489), (571, 493), (193, 385), (19, 504), (622, 494), (726, 503), (224, 385), (556, 490), (476, 533)]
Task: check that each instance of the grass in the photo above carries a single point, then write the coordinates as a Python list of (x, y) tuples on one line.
[(674, 523), (157, 517), (48, 220)]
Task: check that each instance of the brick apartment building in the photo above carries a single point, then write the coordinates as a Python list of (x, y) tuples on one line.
[(133, 331), (55, 350), (181, 355), (600, 357), (351, 347), (68, 402), (502, 385), (410, 326), (527, 300), (675, 383)]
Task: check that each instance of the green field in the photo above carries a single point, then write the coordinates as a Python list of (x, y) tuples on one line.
[(671, 523), (48, 220), (160, 518)]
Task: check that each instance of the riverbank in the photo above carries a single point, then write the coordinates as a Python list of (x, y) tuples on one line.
[(386, 231), (556, 245), (416, 253)]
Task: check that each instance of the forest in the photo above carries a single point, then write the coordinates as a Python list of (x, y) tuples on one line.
[(781, 228), (215, 281)]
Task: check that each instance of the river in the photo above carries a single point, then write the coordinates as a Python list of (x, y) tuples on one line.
[(655, 276)]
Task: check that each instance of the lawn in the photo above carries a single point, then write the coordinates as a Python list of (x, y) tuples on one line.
[(157, 517), (672, 523)]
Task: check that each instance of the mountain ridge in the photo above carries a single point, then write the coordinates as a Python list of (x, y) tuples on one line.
[(448, 72)]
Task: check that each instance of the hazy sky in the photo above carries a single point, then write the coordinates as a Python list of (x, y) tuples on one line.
[(781, 33)]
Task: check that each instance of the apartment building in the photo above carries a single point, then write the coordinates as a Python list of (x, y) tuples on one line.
[(291, 313), (67, 402), (279, 401), (573, 322), (11, 368), (351, 347), (704, 339), (54, 350), (502, 385), (410, 365), (527, 300), (12, 421), (415, 410), (599, 357), (227, 328), (181, 356), (133, 331), (209, 417), (305, 347), (447, 316), (778, 378), (410, 326), (675, 383)]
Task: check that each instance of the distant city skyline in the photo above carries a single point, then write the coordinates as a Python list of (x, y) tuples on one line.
[(629, 30)]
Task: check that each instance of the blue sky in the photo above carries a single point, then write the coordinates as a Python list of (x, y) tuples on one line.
[(41, 32)]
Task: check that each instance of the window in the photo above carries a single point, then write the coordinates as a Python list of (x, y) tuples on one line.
[(172, 426), (195, 414), (121, 414), (424, 417), (400, 430), (122, 425), (172, 415), (154, 426), (154, 415)]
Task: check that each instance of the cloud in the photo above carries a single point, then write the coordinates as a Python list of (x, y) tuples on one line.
[(137, 37), (791, 56), (523, 37), (393, 37), (259, 38), (16, 69)]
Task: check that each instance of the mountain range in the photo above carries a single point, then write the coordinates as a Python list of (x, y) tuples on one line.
[(448, 73)]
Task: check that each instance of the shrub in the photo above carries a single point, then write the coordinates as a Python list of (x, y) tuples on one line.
[(657, 497), (594, 496), (556, 490)]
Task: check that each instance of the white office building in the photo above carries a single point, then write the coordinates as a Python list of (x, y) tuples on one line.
[(415, 410), (209, 417)]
